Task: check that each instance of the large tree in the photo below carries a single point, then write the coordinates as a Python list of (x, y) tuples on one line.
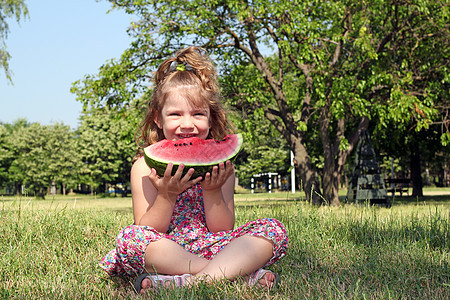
[(9, 9), (347, 58)]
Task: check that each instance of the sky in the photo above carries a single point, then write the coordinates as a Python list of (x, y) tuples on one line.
[(60, 43)]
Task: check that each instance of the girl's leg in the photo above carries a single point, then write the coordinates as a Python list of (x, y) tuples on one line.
[(241, 257), (167, 257)]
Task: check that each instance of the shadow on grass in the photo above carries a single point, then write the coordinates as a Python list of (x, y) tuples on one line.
[(373, 273), (430, 200), (267, 203), (362, 253), (407, 200)]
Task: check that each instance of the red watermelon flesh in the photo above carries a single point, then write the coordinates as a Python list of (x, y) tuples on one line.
[(192, 152)]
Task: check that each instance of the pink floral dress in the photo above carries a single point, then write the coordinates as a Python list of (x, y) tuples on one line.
[(188, 229)]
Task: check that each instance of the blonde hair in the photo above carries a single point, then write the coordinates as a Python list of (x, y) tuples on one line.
[(191, 71)]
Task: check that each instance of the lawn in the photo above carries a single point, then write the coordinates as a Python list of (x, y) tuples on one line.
[(51, 248)]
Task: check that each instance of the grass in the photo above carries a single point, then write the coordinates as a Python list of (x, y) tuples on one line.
[(50, 249)]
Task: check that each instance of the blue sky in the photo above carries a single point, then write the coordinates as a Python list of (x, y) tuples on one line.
[(60, 42)]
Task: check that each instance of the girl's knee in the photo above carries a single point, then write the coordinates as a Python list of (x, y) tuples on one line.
[(133, 238), (131, 244), (275, 231), (275, 228)]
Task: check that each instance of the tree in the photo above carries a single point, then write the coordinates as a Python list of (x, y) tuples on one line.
[(9, 9), (8, 153), (63, 155), (106, 147), (348, 59), (417, 53), (39, 156)]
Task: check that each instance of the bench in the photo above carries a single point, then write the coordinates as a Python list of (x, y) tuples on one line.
[(394, 185)]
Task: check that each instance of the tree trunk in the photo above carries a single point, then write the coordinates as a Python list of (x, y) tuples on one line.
[(331, 185), (40, 193), (306, 173), (330, 178), (427, 177), (334, 164), (445, 173), (416, 175)]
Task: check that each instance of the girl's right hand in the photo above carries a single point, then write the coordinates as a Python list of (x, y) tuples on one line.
[(173, 185)]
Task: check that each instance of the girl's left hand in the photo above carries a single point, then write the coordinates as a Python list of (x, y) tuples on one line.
[(218, 176)]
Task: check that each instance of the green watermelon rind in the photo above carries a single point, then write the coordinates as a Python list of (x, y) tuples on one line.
[(200, 168)]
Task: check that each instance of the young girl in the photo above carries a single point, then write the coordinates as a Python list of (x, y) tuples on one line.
[(184, 227)]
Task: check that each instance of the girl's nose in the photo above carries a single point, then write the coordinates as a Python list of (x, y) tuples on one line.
[(187, 123)]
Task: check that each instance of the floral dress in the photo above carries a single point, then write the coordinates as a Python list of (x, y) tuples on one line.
[(188, 229)]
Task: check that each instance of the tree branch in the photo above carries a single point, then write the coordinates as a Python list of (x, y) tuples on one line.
[(337, 51), (277, 124)]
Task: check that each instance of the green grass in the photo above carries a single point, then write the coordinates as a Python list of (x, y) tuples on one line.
[(51, 249)]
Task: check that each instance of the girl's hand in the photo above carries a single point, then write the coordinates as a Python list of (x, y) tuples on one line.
[(173, 185), (218, 176)]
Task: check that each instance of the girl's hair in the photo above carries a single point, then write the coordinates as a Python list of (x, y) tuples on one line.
[(192, 73)]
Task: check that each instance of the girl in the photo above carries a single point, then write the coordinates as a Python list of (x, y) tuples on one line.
[(184, 227)]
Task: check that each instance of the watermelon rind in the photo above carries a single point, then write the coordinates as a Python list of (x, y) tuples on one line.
[(201, 169)]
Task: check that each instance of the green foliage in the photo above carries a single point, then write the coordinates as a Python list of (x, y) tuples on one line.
[(8, 151), (106, 146), (15, 9), (117, 85), (445, 139), (99, 152), (334, 65), (36, 155)]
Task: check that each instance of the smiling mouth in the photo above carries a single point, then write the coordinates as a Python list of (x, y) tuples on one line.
[(185, 136)]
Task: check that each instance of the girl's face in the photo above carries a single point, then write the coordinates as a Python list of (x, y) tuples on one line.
[(179, 119)]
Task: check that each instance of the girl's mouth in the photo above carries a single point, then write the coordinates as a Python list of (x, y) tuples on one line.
[(185, 136)]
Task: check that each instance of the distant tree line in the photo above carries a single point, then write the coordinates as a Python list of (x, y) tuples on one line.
[(40, 159)]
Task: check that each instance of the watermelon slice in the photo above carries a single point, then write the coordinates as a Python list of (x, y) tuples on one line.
[(193, 152)]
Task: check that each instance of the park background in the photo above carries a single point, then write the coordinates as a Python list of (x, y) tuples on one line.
[(306, 79), (301, 78)]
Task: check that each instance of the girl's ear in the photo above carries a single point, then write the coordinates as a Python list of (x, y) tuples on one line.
[(158, 123)]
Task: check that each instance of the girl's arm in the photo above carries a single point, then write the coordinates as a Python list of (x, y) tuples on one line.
[(154, 197), (144, 196), (218, 198)]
